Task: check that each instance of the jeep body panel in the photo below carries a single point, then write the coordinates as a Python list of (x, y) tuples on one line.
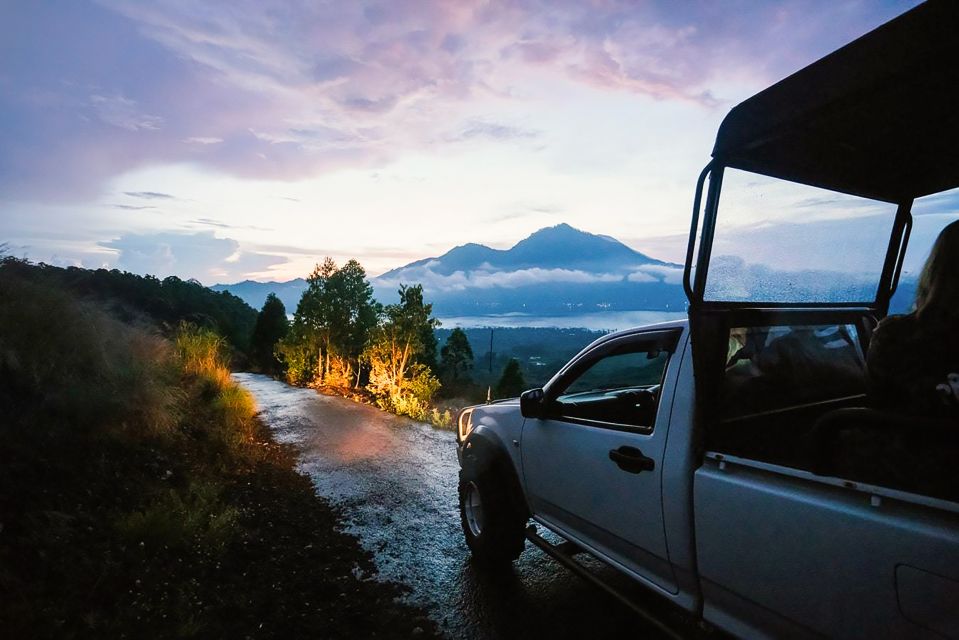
[(785, 553)]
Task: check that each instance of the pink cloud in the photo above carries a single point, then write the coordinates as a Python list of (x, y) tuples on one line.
[(290, 90)]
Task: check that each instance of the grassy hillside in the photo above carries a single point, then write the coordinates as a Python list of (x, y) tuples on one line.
[(132, 297), (140, 497)]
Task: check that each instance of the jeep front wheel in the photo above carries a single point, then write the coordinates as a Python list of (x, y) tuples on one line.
[(493, 530)]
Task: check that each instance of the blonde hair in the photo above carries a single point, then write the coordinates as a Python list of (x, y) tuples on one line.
[(937, 292)]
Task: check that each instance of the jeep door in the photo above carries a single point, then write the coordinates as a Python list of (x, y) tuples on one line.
[(593, 464)]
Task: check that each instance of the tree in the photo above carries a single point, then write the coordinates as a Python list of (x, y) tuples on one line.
[(457, 358), (413, 316), (427, 339), (399, 349), (311, 319), (166, 302), (352, 315), (511, 383), (271, 327), (302, 349), (333, 322)]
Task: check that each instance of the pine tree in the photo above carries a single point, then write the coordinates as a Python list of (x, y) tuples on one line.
[(457, 357), (271, 327), (511, 383)]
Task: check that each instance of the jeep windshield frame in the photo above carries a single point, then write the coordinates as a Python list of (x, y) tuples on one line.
[(877, 119)]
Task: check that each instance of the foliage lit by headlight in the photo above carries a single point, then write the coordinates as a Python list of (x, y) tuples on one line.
[(465, 423)]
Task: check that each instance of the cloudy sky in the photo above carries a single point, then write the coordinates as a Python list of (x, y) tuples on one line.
[(250, 138)]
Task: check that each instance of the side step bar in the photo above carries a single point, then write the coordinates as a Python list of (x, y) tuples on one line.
[(563, 553)]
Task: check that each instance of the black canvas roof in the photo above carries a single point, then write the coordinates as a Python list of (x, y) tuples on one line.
[(877, 118)]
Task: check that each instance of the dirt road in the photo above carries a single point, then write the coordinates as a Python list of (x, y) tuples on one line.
[(396, 480)]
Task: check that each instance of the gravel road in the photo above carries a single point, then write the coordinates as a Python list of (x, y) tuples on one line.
[(395, 480)]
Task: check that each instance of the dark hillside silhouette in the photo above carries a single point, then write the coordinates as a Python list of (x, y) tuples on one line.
[(166, 302)]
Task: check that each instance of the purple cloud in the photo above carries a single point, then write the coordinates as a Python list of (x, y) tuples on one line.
[(279, 90), (491, 130)]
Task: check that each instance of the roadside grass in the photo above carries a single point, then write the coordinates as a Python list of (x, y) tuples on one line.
[(230, 410), (140, 496)]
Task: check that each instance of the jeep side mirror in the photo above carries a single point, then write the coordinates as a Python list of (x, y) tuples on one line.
[(532, 403)]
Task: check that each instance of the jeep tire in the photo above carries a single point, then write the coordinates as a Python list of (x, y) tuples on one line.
[(493, 527)]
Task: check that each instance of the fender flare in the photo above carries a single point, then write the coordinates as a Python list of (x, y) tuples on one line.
[(484, 453)]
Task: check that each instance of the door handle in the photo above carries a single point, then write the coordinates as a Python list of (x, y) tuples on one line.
[(631, 460)]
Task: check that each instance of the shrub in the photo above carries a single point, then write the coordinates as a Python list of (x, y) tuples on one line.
[(300, 361), (442, 419), (201, 354), (339, 374), (234, 409), (412, 396), (113, 436)]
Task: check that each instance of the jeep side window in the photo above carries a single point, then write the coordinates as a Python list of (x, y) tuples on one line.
[(777, 381), (619, 389), (778, 367)]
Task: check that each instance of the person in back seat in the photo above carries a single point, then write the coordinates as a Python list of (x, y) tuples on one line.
[(913, 360)]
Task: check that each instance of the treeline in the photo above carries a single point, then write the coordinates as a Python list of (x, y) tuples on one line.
[(341, 337), (131, 297)]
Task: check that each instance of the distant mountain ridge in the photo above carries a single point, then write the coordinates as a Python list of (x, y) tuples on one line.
[(254, 293), (557, 270)]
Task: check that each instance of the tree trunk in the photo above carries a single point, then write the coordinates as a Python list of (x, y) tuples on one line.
[(326, 369)]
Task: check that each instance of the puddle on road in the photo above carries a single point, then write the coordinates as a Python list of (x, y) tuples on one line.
[(395, 479)]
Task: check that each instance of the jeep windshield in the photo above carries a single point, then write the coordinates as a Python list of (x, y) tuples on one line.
[(781, 242), (807, 200)]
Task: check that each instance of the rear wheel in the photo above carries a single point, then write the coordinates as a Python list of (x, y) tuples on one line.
[(491, 525)]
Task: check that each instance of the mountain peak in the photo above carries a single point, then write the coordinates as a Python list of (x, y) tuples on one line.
[(562, 226), (564, 232), (565, 246), (561, 246), (556, 231)]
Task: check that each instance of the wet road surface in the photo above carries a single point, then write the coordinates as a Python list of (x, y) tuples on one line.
[(395, 480)]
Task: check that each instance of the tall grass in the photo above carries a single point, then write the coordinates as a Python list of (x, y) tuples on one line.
[(203, 359), (201, 354)]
